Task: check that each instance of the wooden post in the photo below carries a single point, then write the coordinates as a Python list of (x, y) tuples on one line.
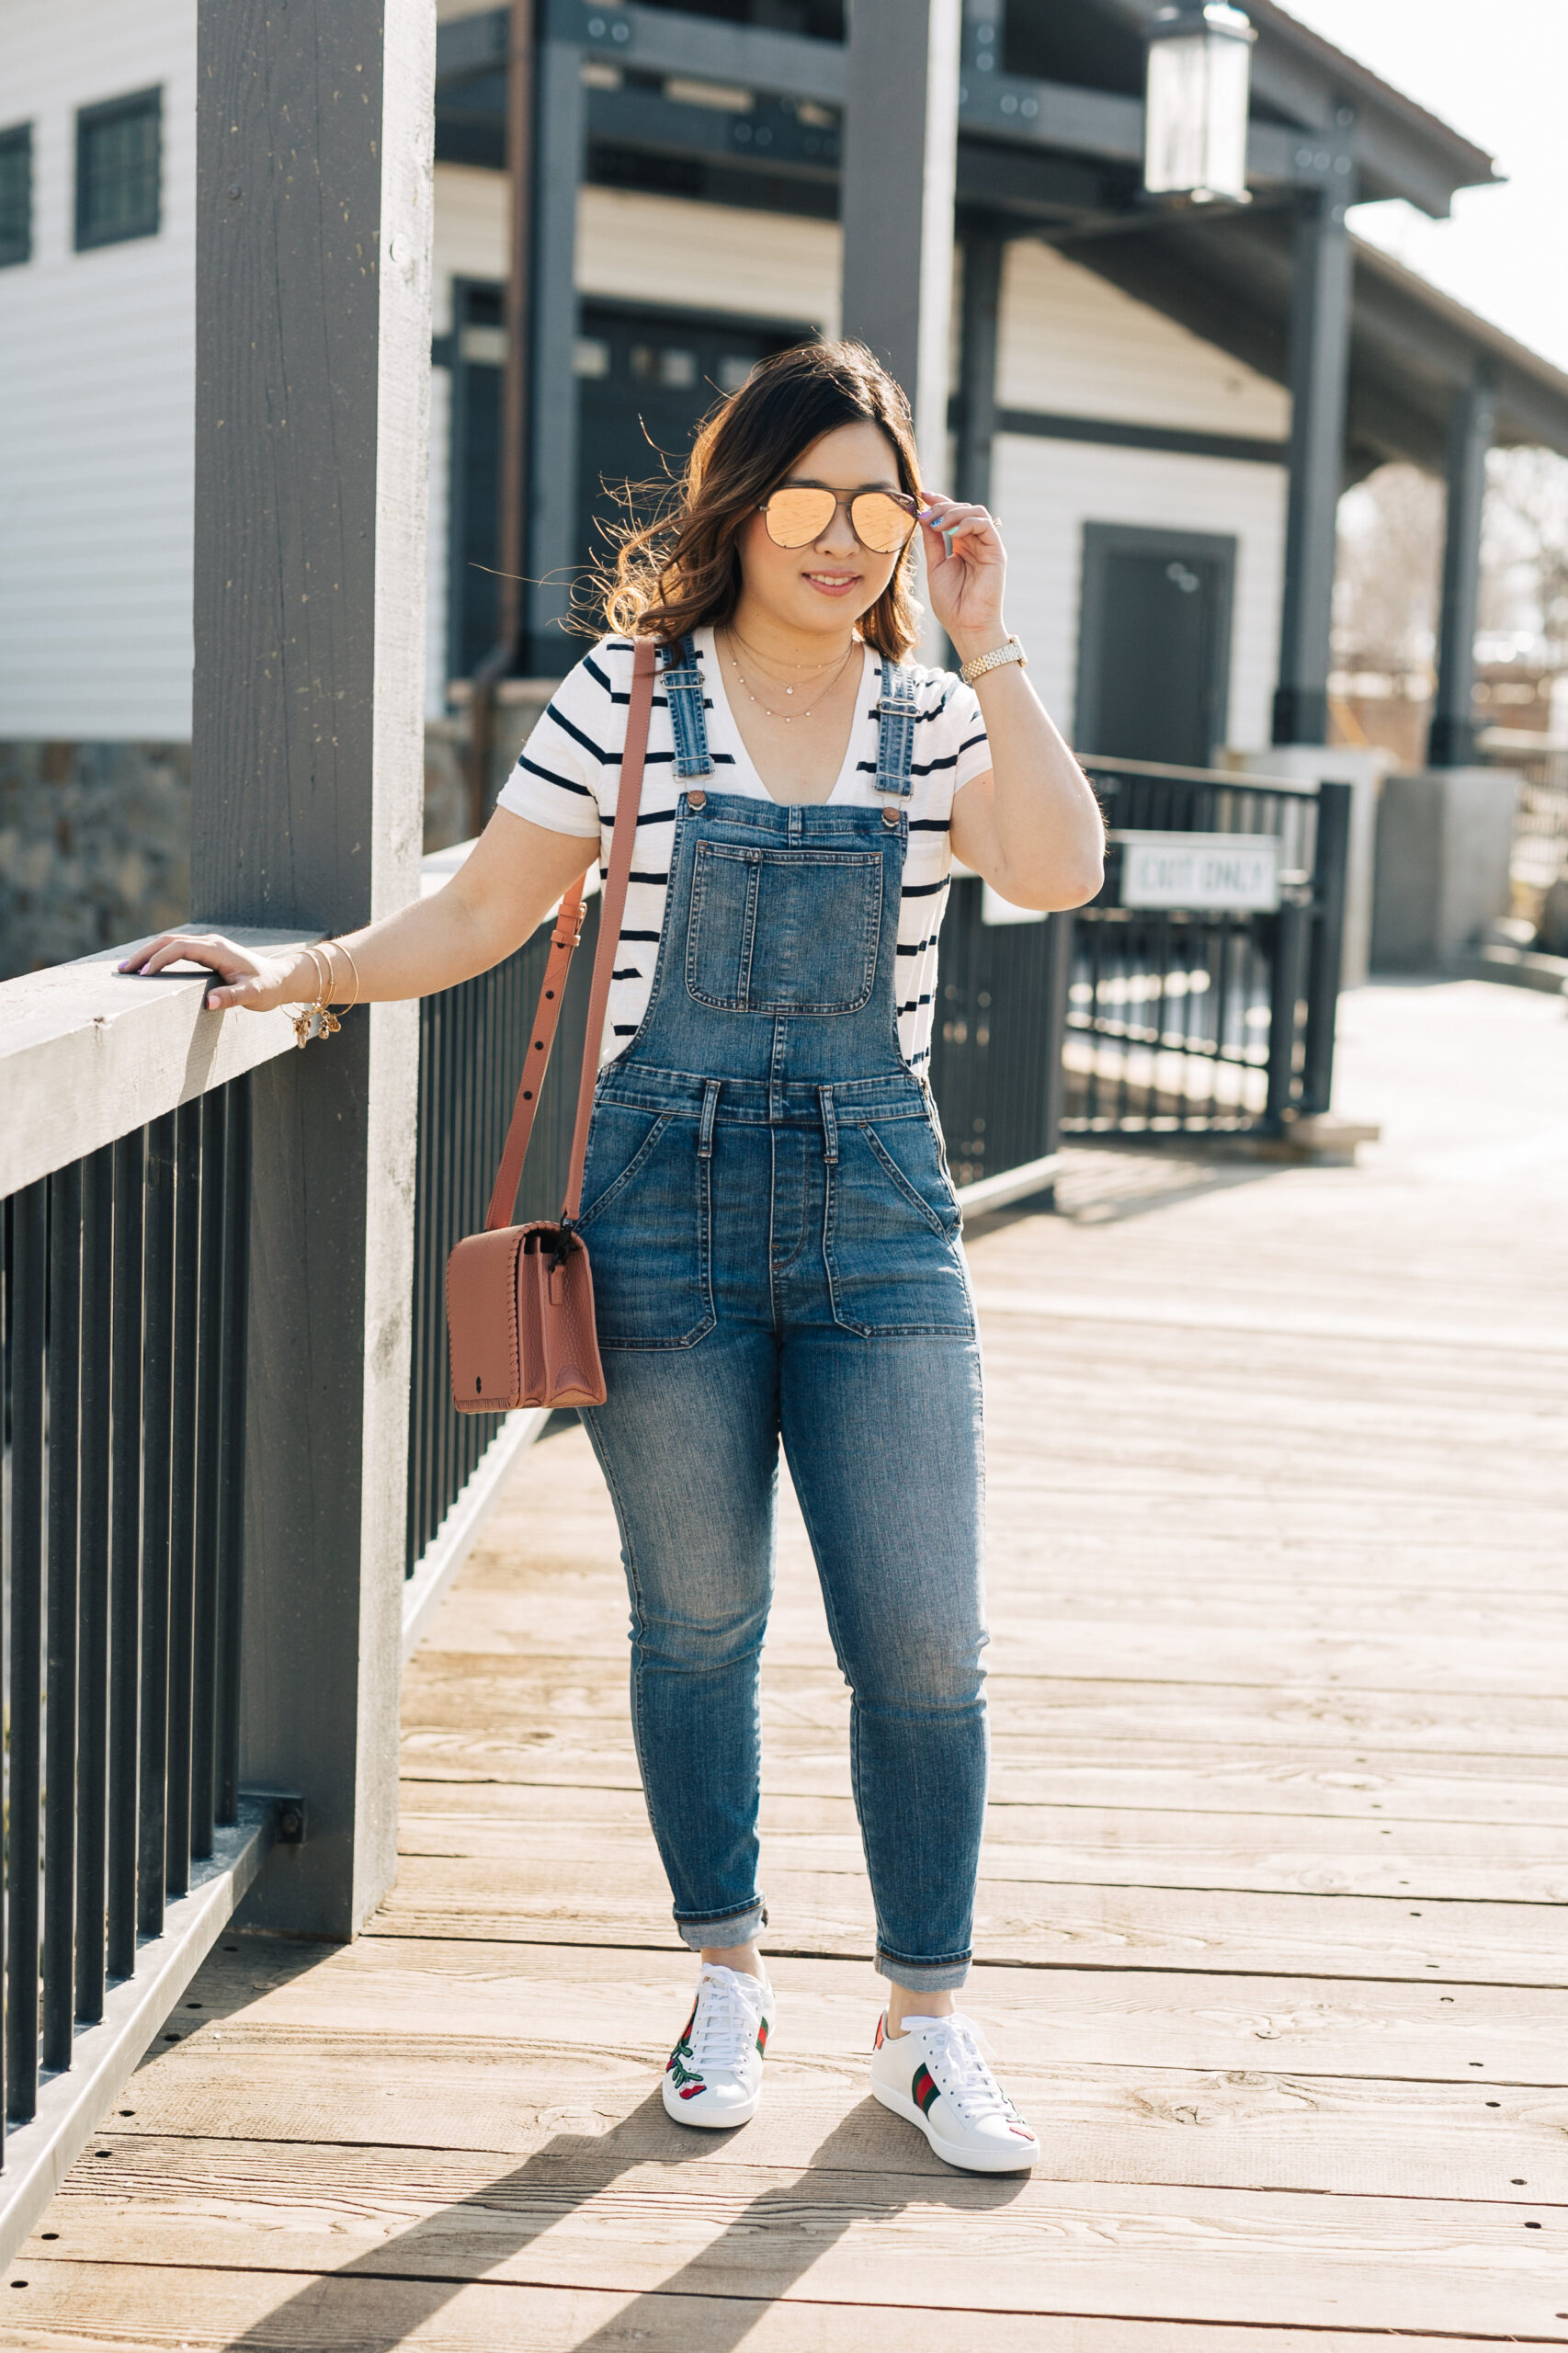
[(1319, 365), (562, 118), (1451, 742), (982, 258), (314, 181), (900, 119)]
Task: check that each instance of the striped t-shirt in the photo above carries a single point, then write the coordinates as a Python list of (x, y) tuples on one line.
[(567, 776)]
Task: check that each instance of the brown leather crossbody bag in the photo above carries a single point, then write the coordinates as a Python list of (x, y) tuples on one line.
[(520, 1298)]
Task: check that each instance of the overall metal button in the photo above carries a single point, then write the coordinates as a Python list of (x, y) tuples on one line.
[(890, 817), (697, 800)]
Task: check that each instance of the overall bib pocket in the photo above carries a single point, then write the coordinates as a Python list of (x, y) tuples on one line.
[(648, 1227), (783, 930), (891, 1234)]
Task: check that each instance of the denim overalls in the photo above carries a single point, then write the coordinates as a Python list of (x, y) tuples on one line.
[(774, 1251)]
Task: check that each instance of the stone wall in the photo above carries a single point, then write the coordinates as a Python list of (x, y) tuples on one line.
[(95, 837), (94, 848)]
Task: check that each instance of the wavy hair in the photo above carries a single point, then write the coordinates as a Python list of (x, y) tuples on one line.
[(681, 571)]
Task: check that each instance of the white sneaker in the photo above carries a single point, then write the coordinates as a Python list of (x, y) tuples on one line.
[(934, 2075), (714, 2075)]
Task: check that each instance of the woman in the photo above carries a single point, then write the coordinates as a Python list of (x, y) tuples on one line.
[(774, 1236)]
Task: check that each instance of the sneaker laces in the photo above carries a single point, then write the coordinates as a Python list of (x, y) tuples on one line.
[(729, 2012), (956, 2046)]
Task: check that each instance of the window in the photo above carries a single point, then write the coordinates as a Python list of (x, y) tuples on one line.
[(119, 156), (17, 194)]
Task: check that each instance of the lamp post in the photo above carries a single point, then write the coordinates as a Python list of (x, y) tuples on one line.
[(1194, 114)]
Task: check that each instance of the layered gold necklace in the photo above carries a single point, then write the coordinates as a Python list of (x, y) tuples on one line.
[(788, 717)]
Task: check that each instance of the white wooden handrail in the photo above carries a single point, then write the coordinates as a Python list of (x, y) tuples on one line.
[(88, 1053)]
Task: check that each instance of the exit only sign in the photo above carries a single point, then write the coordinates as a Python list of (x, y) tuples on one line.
[(1230, 873)]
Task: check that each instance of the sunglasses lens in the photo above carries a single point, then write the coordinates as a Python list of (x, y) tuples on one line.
[(880, 522), (795, 518)]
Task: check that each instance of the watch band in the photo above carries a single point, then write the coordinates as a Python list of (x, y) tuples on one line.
[(1012, 652)]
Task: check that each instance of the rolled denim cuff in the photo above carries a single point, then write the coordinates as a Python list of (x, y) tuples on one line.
[(727, 1928), (922, 1976)]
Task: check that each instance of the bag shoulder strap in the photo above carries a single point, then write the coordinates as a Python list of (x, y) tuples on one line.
[(568, 931)]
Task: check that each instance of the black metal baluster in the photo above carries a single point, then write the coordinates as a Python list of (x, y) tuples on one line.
[(92, 1759), (125, 1552), (182, 1489), (419, 1336), (209, 1440), (231, 1408), (63, 1608), (158, 1312), (30, 1242)]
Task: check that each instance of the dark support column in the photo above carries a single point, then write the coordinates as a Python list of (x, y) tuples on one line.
[(982, 255), (561, 149), (509, 651), (1319, 365), (313, 197), (1471, 422), (900, 150)]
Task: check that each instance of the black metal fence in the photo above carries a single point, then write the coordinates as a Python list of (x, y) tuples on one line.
[(996, 1041), (122, 1301), (472, 1043), (1202, 1021)]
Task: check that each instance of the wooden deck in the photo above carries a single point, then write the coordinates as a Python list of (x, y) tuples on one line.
[(1272, 1926)]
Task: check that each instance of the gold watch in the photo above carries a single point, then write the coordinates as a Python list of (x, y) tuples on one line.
[(972, 672)]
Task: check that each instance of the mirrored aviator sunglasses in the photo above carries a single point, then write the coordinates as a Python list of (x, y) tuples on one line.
[(883, 520)]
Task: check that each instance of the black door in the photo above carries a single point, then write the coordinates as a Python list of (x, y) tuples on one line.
[(646, 379), (1155, 643)]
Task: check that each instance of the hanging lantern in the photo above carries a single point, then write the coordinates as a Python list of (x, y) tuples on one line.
[(1194, 114)]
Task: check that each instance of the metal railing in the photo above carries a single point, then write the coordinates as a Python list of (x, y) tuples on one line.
[(1208, 1021), (1539, 854), (472, 1040), (996, 1039), (124, 1303)]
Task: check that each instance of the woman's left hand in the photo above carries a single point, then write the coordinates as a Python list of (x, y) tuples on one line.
[(966, 585)]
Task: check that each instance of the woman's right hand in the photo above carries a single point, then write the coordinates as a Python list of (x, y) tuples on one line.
[(254, 983)]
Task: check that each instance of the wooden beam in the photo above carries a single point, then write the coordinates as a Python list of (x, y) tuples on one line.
[(900, 142), (1451, 743), (314, 180), (976, 420), (1319, 369)]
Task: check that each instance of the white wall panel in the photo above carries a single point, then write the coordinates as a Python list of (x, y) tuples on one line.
[(96, 368), (1046, 492), (708, 256), (1073, 346)]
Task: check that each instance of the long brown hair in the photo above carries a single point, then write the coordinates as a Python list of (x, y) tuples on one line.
[(682, 570)]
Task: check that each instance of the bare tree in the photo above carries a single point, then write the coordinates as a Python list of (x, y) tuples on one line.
[(1386, 592)]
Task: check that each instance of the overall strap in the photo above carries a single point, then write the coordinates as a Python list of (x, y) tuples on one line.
[(612, 906), (682, 685), (896, 712), (564, 940)]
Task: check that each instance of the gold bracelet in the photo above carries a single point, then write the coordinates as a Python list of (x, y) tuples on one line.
[(317, 1019), (353, 968)]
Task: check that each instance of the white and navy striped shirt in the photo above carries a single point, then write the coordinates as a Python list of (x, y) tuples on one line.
[(568, 773)]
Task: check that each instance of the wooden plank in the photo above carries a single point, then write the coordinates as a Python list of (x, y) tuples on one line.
[(1016, 1923), (573, 2218), (463, 1704), (1238, 2128), (1489, 2036), (1157, 1776), (1491, 1862), (125, 2308)]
